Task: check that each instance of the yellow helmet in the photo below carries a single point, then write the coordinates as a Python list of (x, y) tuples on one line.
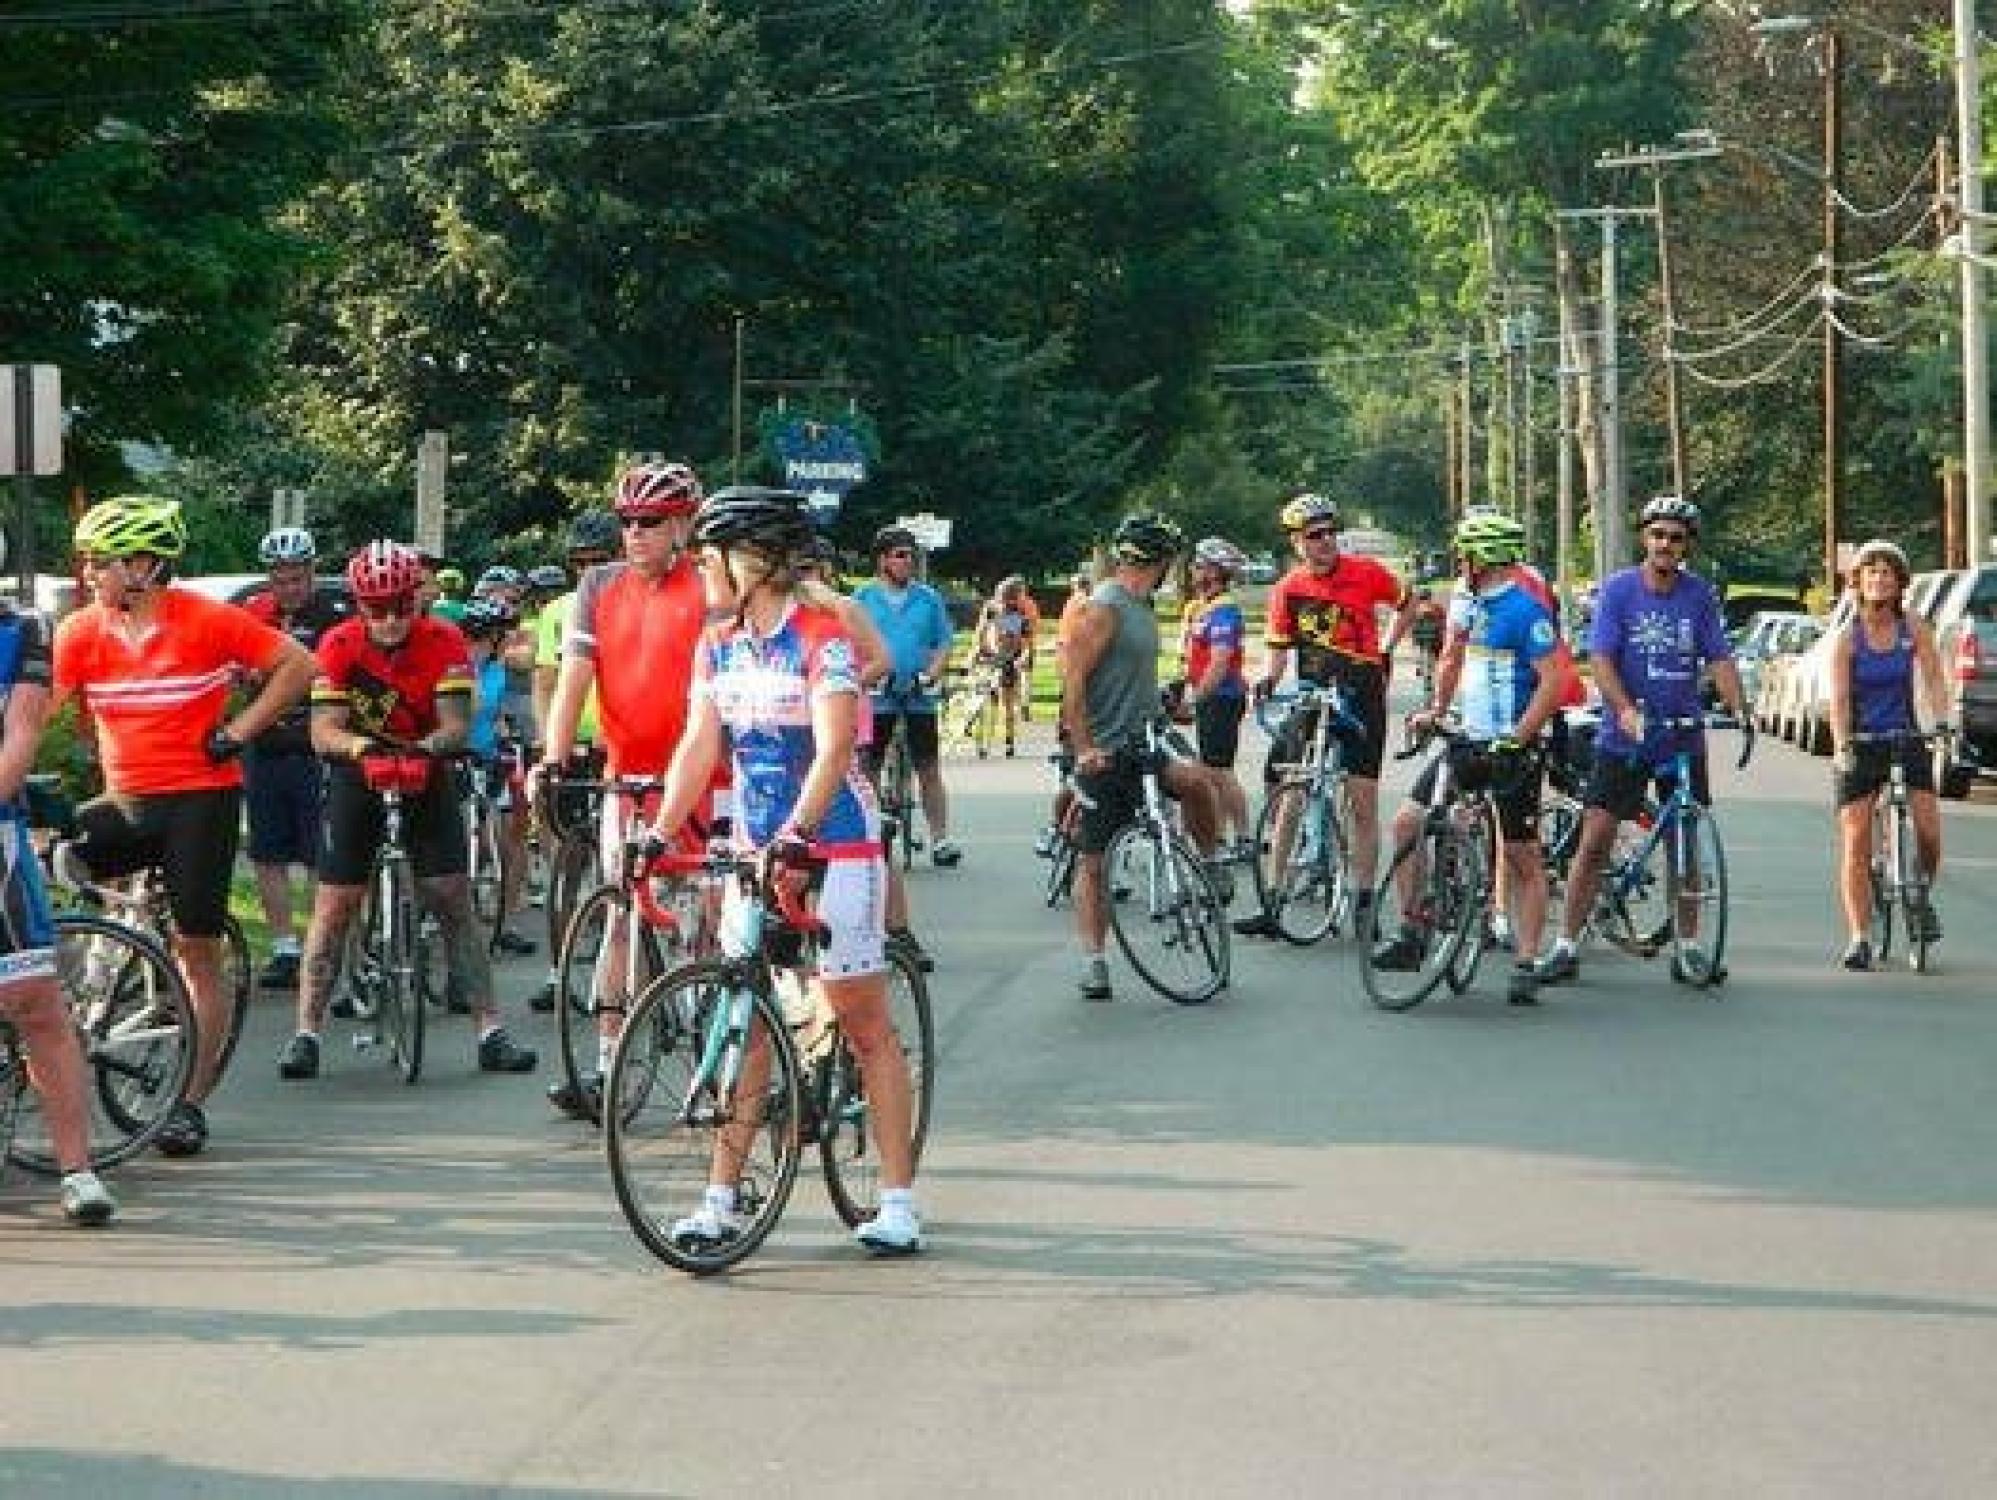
[(127, 525)]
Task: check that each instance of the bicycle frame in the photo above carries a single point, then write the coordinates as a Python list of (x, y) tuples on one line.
[(1896, 876)]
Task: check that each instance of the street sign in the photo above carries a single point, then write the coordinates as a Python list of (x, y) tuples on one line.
[(30, 420), (822, 460), (287, 508), (931, 532), (433, 459)]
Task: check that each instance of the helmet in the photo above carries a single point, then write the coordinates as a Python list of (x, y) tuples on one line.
[(892, 538), (451, 581), (1881, 550), (1146, 539), (593, 531), (549, 578), (1218, 552), (669, 489), (1307, 510), (1489, 537), (287, 544), (822, 551), (500, 576), (130, 524), (775, 521), (384, 570), (1012, 583), (488, 617), (1672, 508)]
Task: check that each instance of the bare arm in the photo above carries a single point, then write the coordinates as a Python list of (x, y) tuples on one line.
[(1091, 637), (1929, 662), (332, 734), (572, 684), (692, 768), (28, 709), (287, 681), (454, 725), (1842, 722), (835, 724)]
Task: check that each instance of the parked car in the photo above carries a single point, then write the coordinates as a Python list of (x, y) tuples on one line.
[(1804, 712), (1965, 622), (1758, 640), (1925, 592)]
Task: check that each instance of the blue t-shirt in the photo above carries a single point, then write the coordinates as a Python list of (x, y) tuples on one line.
[(1506, 632), (1657, 644), (915, 625)]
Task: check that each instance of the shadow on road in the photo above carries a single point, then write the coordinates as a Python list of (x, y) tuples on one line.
[(51, 1471)]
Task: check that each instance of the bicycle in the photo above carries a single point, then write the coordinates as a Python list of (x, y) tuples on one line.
[(1666, 885), (725, 1051), (1898, 881), (1437, 890), (484, 790), (1057, 842), (970, 712), (570, 814), (1164, 906), (1302, 864), (897, 783)]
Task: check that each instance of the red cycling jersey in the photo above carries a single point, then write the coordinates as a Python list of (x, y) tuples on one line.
[(1330, 618), (641, 636), (392, 691)]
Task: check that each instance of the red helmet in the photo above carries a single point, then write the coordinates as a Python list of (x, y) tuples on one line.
[(384, 570), (658, 490)]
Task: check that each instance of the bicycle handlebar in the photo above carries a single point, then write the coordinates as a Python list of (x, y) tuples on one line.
[(1307, 695)]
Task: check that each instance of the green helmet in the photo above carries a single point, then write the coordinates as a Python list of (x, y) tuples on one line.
[(127, 525), (1490, 538)]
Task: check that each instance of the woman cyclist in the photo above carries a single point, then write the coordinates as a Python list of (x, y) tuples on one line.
[(497, 741), (777, 687), (1005, 637), (1874, 662)]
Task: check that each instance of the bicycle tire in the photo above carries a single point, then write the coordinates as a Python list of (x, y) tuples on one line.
[(139, 1034), (400, 943), (1559, 836), (1885, 895), (569, 874), (1433, 919), (1310, 896), (1179, 908), (898, 799), (1476, 880), (845, 1142), (1633, 906), (580, 976), (1061, 869), (239, 984), (486, 867), (1913, 897), (1698, 947), (660, 1117)]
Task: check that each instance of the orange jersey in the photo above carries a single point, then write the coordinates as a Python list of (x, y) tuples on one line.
[(156, 700), (641, 635), (1333, 616)]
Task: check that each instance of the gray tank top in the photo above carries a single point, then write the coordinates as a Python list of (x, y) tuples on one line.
[(1123, 689)]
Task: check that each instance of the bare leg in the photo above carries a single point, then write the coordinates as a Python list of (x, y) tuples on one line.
[(861, 1004), (55, 1066), (333, 908), (1855, 866)]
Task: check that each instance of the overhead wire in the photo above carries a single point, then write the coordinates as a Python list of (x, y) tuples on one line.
[(1761, 376)]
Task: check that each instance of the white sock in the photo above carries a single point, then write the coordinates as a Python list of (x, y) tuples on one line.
[(720, 1197), (1564, 946), (897, 1200)]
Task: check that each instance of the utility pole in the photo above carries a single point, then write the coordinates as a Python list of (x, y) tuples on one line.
[(1975, 351), (1833, 338), (1611, 505), (1467, 452)]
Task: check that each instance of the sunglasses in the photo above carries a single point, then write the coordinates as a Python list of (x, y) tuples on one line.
[(903, 553), (641, 523), (1319, 533), (388, 609), (1669, 534)]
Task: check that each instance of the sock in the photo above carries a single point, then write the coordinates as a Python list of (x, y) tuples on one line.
[(1564, 946), (489, 1033), (897, 1200), (720, 1197), (285, 948)]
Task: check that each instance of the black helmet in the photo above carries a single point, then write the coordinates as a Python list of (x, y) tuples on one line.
[(488, 617), (594, 531), (776, 521), (889, 538), (1146, 539)]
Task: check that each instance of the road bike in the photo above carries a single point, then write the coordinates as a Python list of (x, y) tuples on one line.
[(726, 1063), (1057, 841), (1665, 886), (1436, 895), (1302, 864), (898, 782), (487, 790), (570, 815), (1899, 883), (971, 712), (1168, 913)]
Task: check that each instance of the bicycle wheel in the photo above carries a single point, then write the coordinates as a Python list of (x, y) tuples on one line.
[(239, 984), (1559, 836), (1475, 880), (898, 801), (1884, 876), (590, 982), (399, 945), (138, 1029), (1061, 869), (1913, 883), (1168, 918), (1633, 906), (1411, 935), (485, 865), (845, 1140), (1698, 881), (570, 873), (672, 1125), (1307, 888)]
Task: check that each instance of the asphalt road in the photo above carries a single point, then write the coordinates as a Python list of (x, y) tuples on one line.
[(1636, 1241)]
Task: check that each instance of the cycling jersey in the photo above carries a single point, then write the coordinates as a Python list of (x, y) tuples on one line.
[(1215, 624), (488, 700), (642, 635), (1506, 632), (550, 630), (27, 936), (392, 691), (156, 700), (291, 732), (1657, 643), (763, 688), (1882, 682), (1331, 618), (1004, 632), (915, 625)]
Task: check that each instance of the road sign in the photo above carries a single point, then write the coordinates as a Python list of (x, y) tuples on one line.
[(822, 460), (931, 532), (30, 420)]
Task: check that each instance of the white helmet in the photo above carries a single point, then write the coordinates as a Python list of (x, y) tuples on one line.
[(287, 544), (1218, 552)]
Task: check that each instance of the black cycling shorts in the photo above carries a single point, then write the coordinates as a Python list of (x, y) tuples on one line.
[(190, 836), (1116, 791), (922, 741), (1217, 723), (1872, 766), (1366, 698), (433, 827), (1618, 783), (1514, 779)]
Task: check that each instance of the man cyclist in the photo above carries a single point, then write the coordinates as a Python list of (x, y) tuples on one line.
[(283, 782), (393, 678), (30, 997), (1504, 655), (154, 665), (443, 592), (915, 623), (1325, 612), (632, 634), (1656, 626), (1111, 697)]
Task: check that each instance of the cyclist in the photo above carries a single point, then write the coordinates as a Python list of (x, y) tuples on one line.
[(1216, 690), (443, 595), (1004, 639), (913, 620), (1875, 661), (777, 688), (1655, 626), (283, 783), (1426, 632), (30, 996), (632, 634), (1112, 697), (495, 741), (154, 664), (1030, 608), (1503, 655), (393, 678), (1325, 612)]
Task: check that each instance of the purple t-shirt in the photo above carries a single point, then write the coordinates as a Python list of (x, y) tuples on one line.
[(1657, 644)]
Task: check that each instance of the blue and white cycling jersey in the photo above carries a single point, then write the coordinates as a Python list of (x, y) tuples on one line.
[(763, 688), (1506, 633)]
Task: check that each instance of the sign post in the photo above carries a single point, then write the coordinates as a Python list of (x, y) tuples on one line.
[(287, 508), (433, 460), (30, 445)]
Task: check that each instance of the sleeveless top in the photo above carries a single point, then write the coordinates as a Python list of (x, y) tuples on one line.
[(1882, 682), (1123, 688)]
